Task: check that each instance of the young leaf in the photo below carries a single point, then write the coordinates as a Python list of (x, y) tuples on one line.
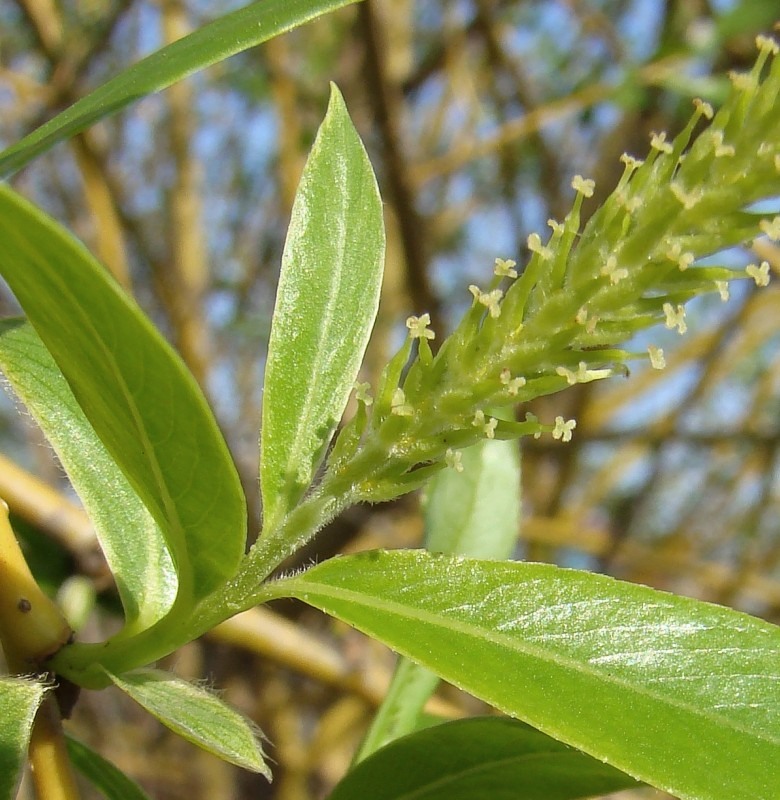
[(197, 716), (108, 779), (19, 700), (131, 540), (491, 757), (325, 308), (673, 691), (135, 391), (227, 35)]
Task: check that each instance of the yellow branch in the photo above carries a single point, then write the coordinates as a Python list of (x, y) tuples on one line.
[(51, 768), (32, 629)]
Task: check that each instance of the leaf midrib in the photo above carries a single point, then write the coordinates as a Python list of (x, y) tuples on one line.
[(517, 645)]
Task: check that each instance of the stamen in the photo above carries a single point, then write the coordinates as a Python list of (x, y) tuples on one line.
[(362, 395), (505, 268), (399, 406), (418, 327), (563, 429), (657, 360), (454, 459), (675, 318), (759, 274)]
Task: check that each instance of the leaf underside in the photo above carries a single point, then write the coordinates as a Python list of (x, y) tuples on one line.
[(490, 757)]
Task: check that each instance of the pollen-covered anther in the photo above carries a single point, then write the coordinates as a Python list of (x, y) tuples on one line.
[(513, 385), (491, 300), (570, 375), (687, 199), (631, 162), (743, 81), (535, 245), (657, 360), (556, 227), (760, 274), (487, 425), (675, 318), (658, 142), (399, 406), (454, 459), (418, 327), (563, 429), (703, 107), (718, 146), (610, 270), (505, 268), (723, 290), (362, 393), (584, 186), (684, 260), (771, 228), (582, 374), (768, 44)]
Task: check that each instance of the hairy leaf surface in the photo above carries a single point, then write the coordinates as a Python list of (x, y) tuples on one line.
[(326, 304), (131, 540), (19, 700), (197, 716)]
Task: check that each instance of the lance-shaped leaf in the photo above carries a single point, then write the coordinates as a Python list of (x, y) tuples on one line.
[(135, 391), (491, 757), (326, 304), (111, 781), (678, 693), (131, 540), (19, 700), (227, 35), (197, 716)]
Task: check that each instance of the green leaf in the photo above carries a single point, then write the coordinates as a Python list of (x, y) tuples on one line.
[(326, 304), (108, 779), (491, 757), (230, 34), (131, 540), (135, 391), (676, 692), (19, 700), (197, 716), (476, 512)]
